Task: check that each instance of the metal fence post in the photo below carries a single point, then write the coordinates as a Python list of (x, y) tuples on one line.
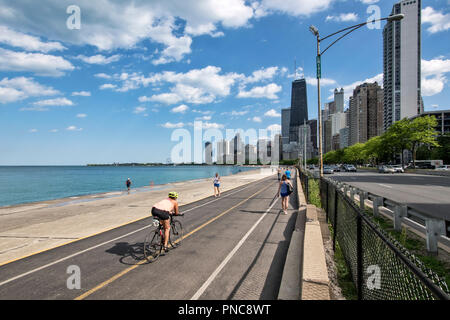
[(362, 198), (327, 197), (336, 198), (359, 256), (307, 188)]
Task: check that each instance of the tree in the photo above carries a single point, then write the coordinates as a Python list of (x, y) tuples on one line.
[(398, 137), (442, 152), (422, 132)]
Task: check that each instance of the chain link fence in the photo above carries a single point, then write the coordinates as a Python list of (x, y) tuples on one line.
[(381, 268)]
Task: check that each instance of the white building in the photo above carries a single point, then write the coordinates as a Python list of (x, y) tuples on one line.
[(402, 63)]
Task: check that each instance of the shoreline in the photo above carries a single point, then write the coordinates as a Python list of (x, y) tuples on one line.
[(106, 194), (32, 228)]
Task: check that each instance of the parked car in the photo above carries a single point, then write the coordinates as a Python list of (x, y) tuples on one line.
[(425, 166), (443, 168), (398, 169), (386, 169), (349, 168), (327, 170)]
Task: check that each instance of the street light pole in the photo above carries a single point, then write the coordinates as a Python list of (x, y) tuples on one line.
[(315, 32)]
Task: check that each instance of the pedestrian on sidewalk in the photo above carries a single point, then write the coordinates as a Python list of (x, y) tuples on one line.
[(216, 186), (284, 191)]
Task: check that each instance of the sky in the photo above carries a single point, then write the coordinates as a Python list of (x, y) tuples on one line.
[(110, 81)]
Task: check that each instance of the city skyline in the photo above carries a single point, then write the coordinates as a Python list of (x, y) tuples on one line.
[(67, 99)]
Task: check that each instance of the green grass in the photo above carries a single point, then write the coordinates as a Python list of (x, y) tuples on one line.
[(314, 193), (416, 246)]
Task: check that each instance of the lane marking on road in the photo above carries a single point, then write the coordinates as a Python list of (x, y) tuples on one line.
[(205, 286), (385, 185), (122, 273), (99, 245), (119, 226)]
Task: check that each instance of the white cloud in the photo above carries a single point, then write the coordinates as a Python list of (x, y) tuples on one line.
[(323, 81), (139, 110), (81, 115), (54, 130), (38, 63), (107, 86), (58, 102), (343, 17), (272, 113), (180, 109), (169, 125), (27, 42), (204, 118), (99, 59), (81, 94), (433, 76), (296, 7), (262, 74), (20, 88), (110, 25), (103, 76), (274, 128), (33, 130), (256, 119), (369, 1), (438, 21), (269, 91), (74, 128)]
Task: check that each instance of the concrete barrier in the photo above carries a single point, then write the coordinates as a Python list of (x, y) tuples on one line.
[(305, 274)]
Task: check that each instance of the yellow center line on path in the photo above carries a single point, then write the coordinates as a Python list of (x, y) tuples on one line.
[(124, 272)]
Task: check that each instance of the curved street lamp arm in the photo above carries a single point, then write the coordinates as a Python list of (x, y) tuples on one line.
[(354, 28)]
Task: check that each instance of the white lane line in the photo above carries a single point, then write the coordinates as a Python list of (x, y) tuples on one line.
[(102, 244), (384, 185), (202, 289)]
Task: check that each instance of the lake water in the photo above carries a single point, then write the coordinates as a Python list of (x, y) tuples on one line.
[(30, 184)]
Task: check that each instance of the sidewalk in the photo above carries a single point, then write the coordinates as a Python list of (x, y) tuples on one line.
[(32, 228)]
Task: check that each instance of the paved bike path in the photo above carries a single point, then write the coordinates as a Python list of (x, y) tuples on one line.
[(111, 259)]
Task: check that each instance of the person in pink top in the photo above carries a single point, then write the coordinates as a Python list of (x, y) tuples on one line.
[(163, 210)]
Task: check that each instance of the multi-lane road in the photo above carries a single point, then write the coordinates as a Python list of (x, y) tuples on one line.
[(426, 193), (234, 248)]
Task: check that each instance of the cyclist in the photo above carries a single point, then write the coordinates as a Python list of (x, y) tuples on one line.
[(163, 210)]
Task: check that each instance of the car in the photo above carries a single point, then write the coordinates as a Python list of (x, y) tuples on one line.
[(386, 169), (349, 168), (443, 168), (327, 170), (398, 169), (425, 166), (336, 168)]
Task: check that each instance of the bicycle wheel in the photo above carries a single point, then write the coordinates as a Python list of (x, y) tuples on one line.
[(152, 246), (176, 233)]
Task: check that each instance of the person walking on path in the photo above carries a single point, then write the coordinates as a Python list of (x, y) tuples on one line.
[(288, 174), (216, 185), (284, 192), (128, 183), (279, 174)]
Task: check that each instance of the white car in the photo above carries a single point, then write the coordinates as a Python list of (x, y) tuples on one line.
[(443, 168), (398, 169)]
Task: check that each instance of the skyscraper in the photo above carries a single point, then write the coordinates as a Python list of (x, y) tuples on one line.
[(402, 63), (339, 100), (299, 108), (366, 114), (285, 123)]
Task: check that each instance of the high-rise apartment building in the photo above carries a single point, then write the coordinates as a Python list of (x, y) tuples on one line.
[(339, 100), (285, 123), (402, 63), (365, 113)]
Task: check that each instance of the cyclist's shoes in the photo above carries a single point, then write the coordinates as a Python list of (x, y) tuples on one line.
[(166, 249)]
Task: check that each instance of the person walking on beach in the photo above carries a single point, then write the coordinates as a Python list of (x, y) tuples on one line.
[(216, 185), (128, 183), (284, 192), (163, 210)]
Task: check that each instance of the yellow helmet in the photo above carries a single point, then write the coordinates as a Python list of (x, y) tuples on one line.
[(173, 195)]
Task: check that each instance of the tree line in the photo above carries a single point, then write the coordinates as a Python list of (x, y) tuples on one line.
[(418, 135)]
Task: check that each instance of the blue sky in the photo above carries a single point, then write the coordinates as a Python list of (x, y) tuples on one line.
[(116, 89)]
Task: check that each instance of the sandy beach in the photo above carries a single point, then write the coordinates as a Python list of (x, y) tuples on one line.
[(30, 228)]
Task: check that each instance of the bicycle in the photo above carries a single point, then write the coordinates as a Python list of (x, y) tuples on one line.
[(154, 241)]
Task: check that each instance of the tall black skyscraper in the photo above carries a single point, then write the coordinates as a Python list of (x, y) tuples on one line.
[(299, 108)]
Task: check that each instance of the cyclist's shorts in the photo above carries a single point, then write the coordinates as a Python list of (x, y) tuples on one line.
[(161, 214)]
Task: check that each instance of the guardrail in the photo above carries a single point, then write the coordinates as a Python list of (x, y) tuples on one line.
[(380, 266), (433, 229)]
